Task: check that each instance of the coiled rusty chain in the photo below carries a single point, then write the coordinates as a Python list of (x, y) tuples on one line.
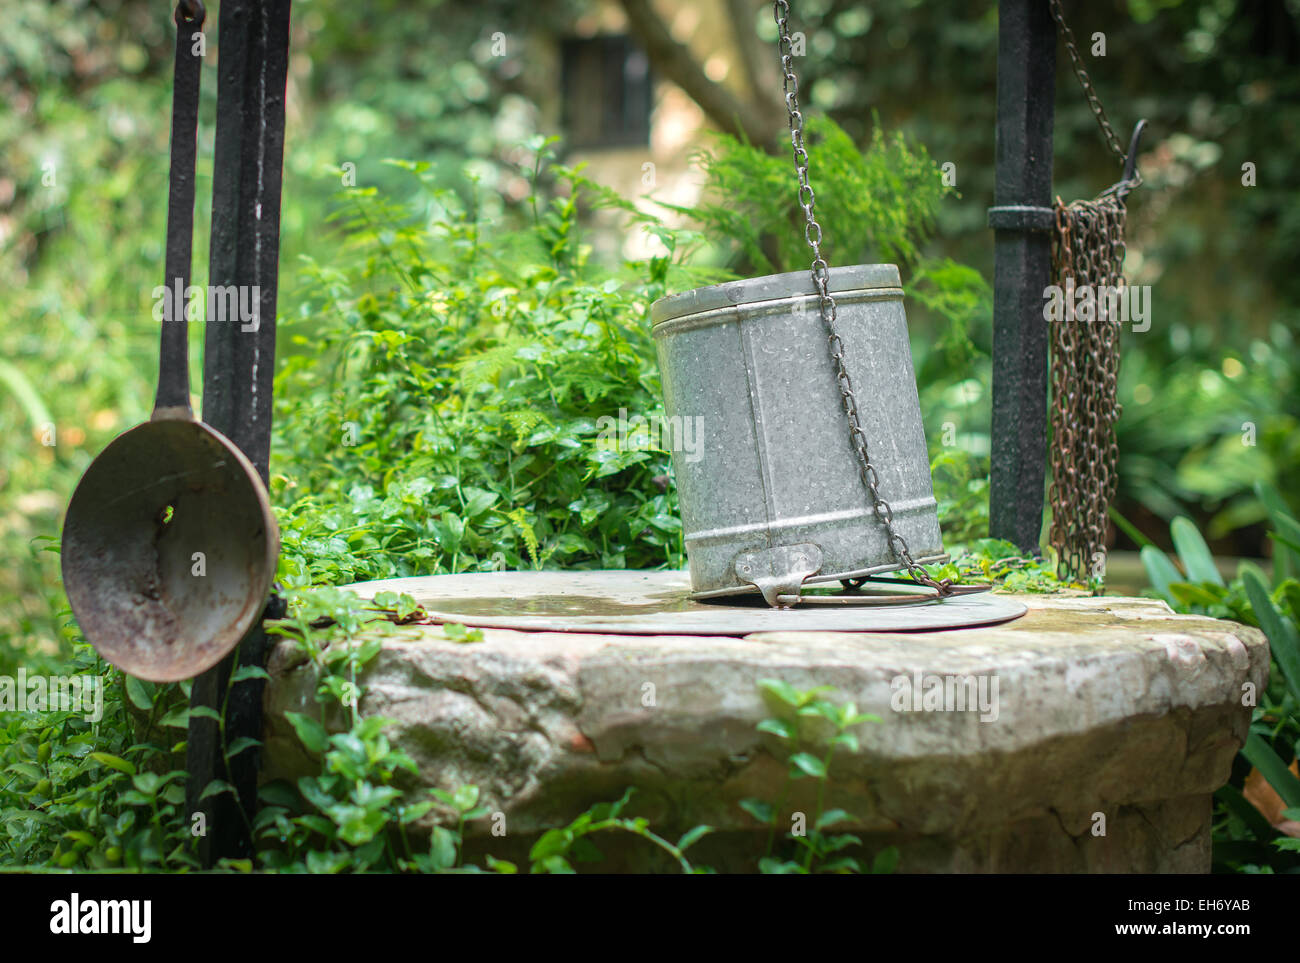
[(1087, 250), (821, 278)]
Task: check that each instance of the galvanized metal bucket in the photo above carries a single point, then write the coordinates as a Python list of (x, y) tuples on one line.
[(769, 488)]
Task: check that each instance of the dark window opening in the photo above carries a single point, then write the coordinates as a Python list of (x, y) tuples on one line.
[(607, 92)]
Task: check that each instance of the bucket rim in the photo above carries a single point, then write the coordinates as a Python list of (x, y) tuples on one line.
[(770, 287)]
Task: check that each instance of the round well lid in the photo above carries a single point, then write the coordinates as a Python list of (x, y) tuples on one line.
[(659, 603)]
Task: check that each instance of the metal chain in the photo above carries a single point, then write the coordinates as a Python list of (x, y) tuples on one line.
[(821, 278), (1087, 251), (1085, 81)]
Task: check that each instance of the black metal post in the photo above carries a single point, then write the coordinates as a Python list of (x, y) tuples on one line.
[(1021, 219), (238, 371)]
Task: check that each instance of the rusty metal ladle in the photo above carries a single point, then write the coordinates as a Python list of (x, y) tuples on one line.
[(170, 545)]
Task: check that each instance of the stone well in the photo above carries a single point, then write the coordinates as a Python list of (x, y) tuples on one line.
[(1114, 721)]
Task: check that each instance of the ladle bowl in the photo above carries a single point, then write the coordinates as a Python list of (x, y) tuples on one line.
[(169, 549)]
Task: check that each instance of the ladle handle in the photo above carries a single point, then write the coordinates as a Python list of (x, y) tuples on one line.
[(173, 355)]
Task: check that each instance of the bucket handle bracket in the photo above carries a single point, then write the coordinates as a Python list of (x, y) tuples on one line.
[(779, 572)]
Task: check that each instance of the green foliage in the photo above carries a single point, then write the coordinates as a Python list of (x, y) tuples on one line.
[(449, 417), (961, 489), (558, 849), (809, 728), (97, 794), (877, 204), (344, 818), (994, 561), (1203, 426), (1243, 839), (804, 724)]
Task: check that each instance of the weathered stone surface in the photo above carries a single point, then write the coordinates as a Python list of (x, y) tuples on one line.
[(1104, 706)]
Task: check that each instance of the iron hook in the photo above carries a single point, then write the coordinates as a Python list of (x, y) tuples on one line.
[(1131, 176)]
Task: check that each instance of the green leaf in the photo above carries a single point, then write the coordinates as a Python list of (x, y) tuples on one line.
[(778, 867), (245, 672), (760, 810), (779, 728), (461, 633), (1202, 595), (831, 817), (278, 793), (414, 811), (692, 837), (176, 719), (1193, 552), (442, 847), (822, 709), (831, 844), (310, 732), (842, 865), (808, 764), (885, 862), (319, 825), (1287, 558), (1287, 533), (1273, 769), (316, 790), (174, 794), (609, 810), (584, 850), (33, 772), (25, 394), (240, 744), (1283, 637), (1233, 800), (553, 864), (114, 762), (1161, 572), (551, 843), (846, 739), (1245, 566), (326, 863), (138, 694), (465, 798), (782, 691), (215, 788)]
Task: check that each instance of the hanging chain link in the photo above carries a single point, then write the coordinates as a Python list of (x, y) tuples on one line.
[(1087, 256), (821, 278), (1087, 252), (1085, 81)]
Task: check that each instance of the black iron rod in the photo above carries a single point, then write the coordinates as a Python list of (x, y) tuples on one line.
[(1021, 219), (173, 356), (239, 363)]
